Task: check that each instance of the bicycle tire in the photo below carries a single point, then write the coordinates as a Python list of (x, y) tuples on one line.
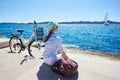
[(33, 49), (18, 44)]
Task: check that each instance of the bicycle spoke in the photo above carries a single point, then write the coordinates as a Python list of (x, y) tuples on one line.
[(15, 44)]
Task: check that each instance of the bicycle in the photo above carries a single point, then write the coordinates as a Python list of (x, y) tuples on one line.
[(17, 44)]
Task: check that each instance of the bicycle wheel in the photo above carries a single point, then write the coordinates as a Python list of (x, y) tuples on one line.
[(15, 44), (34, 49)]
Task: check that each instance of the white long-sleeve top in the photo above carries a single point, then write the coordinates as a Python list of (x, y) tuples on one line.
[(52, 47)]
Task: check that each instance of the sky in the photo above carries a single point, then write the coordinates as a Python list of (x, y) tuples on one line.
[(23, 11)]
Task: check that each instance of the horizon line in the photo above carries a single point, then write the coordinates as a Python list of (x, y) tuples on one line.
[(59, 21)]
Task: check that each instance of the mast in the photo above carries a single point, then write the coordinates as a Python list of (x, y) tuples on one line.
[(106, 19)]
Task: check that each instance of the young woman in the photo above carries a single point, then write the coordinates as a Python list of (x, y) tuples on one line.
[(53, 45)]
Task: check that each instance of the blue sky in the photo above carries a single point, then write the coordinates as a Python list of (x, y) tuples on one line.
[(58, 10)]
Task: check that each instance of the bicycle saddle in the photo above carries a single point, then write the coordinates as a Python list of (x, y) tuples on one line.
[(20, 31)]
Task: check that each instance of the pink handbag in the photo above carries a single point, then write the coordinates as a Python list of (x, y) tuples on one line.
[(65, 67)]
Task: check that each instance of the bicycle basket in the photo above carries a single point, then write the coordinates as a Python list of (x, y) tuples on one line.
[(39, 32)]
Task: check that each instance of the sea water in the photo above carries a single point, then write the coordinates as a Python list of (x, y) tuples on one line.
[(96, 37)]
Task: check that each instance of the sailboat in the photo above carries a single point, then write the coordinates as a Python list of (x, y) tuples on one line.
[(106, 23)]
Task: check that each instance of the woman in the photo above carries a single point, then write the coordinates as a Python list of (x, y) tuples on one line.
[(53, 45)]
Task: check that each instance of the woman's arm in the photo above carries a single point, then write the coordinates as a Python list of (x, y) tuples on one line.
[(60, 49)]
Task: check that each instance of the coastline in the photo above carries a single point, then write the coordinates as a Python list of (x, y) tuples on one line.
[(113, 56), (109, 56)]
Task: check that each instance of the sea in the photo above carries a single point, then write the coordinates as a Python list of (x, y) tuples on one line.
[(93, 37)]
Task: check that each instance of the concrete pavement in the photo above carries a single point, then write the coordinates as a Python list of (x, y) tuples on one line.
[(16, 67)]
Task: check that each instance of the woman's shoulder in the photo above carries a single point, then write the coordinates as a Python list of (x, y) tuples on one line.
[(58, 38), (55, 36)]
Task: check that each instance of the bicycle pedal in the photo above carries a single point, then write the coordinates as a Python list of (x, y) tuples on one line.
[(23, 48)]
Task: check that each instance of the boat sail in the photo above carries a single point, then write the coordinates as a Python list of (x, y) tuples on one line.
[(106, 20)]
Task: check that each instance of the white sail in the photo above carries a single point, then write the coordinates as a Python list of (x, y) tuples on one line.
[(106, 19)]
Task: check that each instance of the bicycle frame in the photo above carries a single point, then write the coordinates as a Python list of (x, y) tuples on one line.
[(36, 36)]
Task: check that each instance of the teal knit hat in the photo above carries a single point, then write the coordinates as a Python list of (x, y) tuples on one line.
[(51, 26)]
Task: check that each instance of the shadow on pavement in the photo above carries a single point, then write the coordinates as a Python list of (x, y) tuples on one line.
[(45, 73), (25, 59)]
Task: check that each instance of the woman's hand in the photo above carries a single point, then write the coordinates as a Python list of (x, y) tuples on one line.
[(58, 52), (64, 56)]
